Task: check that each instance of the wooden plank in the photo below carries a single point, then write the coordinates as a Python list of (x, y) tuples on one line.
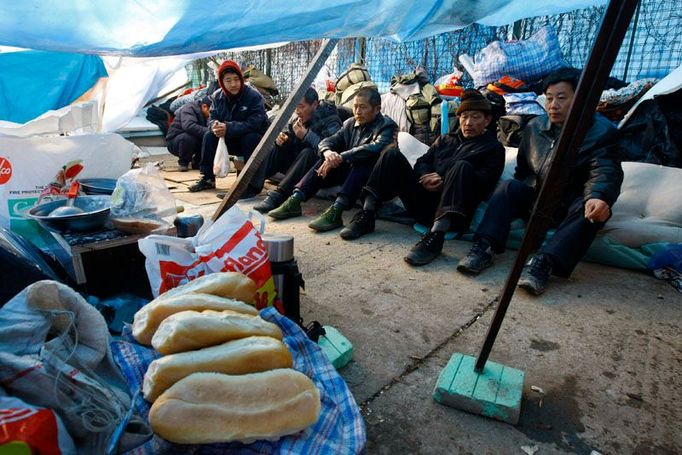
[(268, 140)]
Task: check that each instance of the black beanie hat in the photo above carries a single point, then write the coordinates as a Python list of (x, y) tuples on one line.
[(473, 100)]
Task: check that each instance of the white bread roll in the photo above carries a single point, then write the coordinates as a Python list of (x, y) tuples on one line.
[(246, 355), (231, 285), (148, 318), (189, 330), (212, 407)]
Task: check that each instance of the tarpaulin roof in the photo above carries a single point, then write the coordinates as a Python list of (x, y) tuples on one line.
[(172, 27)]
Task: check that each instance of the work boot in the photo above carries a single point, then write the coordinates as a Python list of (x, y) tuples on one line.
[(202, 184), (427, 249), (273, 200), (535, 274), (479, 257), (183, 168), (361, 224), (328, 220), (289, 209)]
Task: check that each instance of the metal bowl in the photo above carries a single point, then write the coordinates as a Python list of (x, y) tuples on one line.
[(95, 214), (96, 186)]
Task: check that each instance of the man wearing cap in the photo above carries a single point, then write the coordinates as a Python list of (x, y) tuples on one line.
[(187, 132), (579, 212), (446, 185), (238, 115)]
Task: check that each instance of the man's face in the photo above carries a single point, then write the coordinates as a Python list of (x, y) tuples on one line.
[(305, 111), (473, 123), (232, 83), (558, 102), (363, 111), (205, 110)]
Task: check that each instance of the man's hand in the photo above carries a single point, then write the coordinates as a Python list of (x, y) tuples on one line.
[(282, 138), (299, 130), (597, 210), (431, 182), (219, 129), (331, 160)]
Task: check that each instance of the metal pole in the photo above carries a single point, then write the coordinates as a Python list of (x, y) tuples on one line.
[(604, 52), (268, 140)]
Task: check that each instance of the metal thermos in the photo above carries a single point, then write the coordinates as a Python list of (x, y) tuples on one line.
[(288, 279), (188, 225)]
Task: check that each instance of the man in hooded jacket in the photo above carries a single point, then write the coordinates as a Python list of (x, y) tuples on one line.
[(237, 114)]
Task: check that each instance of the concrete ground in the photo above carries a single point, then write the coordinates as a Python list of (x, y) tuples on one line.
[(605, 346)]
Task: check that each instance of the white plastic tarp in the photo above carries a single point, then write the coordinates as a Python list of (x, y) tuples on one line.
[(173, 27)]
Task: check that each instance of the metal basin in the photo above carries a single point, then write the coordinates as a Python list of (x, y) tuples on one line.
[(95, 214), (97, 186)]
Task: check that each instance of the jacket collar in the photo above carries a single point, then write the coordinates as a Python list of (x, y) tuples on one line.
[(377, 120)]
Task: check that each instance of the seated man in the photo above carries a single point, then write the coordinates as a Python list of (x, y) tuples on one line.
[(238, 115), (582, 210), (295, 150), (348, 157), (187, 132), (446, 185)]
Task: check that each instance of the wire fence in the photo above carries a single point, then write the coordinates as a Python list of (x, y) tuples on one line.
[(652, 48)]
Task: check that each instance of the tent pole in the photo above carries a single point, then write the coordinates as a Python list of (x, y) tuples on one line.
[(268, 140), (602, 56)]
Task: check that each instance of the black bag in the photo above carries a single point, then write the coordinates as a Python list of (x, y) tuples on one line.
[(510, 127), (160, 117)]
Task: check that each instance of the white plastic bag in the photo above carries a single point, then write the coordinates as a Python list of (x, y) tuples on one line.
[(142, 193), (221, 162), (232, 243)]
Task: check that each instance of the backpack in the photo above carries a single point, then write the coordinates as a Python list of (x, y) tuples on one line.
[(510, 128), (354, 74), (346, 97)]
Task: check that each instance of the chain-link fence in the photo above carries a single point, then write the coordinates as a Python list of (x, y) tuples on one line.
[(652, 48)]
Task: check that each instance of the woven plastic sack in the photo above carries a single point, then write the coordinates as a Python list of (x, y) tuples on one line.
[(527, 60)]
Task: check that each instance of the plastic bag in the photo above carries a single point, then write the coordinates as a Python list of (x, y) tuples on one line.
[(142, 193), (221, 162), (232, 243)]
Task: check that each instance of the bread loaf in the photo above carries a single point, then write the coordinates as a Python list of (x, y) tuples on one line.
[(189, 330), (212, 407), (232, 285), (148, 318), (246, 355)]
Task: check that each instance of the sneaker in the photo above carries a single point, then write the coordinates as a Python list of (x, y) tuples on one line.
[(479, 257), (289, 209), (201, 185), (183, 168), (535, 275), (328, 220), (427, 249), (361, 224), (273, 200)]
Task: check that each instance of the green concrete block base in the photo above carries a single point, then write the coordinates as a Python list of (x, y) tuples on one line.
[(495, 393), (338, 349)]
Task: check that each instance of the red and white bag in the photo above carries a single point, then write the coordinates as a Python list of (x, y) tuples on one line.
[(232, 243)]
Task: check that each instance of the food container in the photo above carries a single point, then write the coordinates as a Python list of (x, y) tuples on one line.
[(95, 214)]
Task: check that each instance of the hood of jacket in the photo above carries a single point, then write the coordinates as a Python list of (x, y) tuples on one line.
[(230, 64)]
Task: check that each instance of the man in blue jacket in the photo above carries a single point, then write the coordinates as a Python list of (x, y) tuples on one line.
[(187, 131), (238, 115)]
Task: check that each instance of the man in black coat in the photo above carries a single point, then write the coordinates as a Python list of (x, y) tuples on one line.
[(446, 185), (238, 115), (296, 148), (346, 159), (580, 213), (187, 132)]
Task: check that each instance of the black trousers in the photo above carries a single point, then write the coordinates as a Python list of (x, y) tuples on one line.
[(514, 199), (461, 193), (237, 146), (293, 161), (351, 176), (186, 147)]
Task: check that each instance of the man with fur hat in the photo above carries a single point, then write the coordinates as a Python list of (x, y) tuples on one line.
[(238, 115), (186, 133), (446, 185)]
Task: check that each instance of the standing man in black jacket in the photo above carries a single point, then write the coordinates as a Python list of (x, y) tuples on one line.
[(580, 213), (446, 185), (238, 115), (187, 132), (295, 150), (347, 159)]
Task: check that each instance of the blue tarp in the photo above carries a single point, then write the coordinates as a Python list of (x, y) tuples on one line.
[(34, 82), (173, 27)]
